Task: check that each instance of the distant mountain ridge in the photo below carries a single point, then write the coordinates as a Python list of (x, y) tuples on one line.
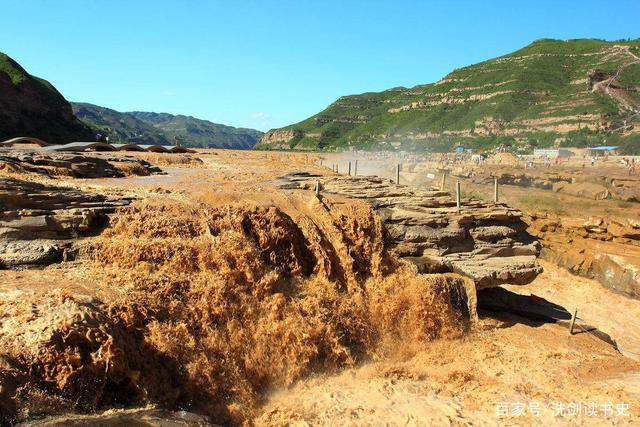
[(163, 128), (552, 92), (195, 132), (119, 127), (31, 106)]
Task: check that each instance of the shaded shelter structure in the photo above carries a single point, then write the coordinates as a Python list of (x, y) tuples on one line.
[(23, 140), (82, 146), (602, 150), (127, 147), (94, 146)]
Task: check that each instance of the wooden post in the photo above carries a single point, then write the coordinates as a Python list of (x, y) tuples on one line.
[(317, 188), (355, 168), (444, 180), (398, 173), (320, 162), (495, 189), (573, 321), (349, 167), (337, 167), (458, 194)]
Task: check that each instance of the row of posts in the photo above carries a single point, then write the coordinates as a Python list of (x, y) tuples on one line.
[(334, 168), (459, 192)]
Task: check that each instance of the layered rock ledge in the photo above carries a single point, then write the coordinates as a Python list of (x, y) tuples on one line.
[(603, 249), (73, 164), (487, 242), (38, 222), (577, 182)]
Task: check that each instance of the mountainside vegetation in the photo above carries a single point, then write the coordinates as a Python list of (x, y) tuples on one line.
[(117, 126), (550, 93), (194, 132), (163, 128), (30, 106)]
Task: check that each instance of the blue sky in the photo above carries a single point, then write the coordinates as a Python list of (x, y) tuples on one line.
[(265, 64)]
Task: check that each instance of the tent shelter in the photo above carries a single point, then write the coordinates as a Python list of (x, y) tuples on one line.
[(602, 150), (94, 146)]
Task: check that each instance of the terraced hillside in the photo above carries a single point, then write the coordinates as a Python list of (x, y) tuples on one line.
[(162, 128), (31, 106), (552, 92)]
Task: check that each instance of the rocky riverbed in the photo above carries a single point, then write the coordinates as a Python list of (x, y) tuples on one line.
[(226, 288)]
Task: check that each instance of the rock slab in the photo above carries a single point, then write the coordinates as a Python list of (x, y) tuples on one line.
[(37, 221), (487, 242)]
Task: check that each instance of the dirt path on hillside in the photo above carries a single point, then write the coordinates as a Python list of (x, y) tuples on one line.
[(605, 85)]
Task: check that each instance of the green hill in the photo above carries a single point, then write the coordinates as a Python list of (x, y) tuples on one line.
[(119, 127), (162, 128), (30, 106), (194, 132), (552, 92)]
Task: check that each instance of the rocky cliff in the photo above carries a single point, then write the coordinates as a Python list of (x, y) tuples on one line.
[(30, 106)]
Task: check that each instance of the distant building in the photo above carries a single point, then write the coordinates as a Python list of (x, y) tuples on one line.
[(552, 153)]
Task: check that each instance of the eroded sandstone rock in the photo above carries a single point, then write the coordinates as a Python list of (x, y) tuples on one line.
[(73, 164), (603, 249), (487, 242), (38, 221), (576, 183), (587, 190)]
